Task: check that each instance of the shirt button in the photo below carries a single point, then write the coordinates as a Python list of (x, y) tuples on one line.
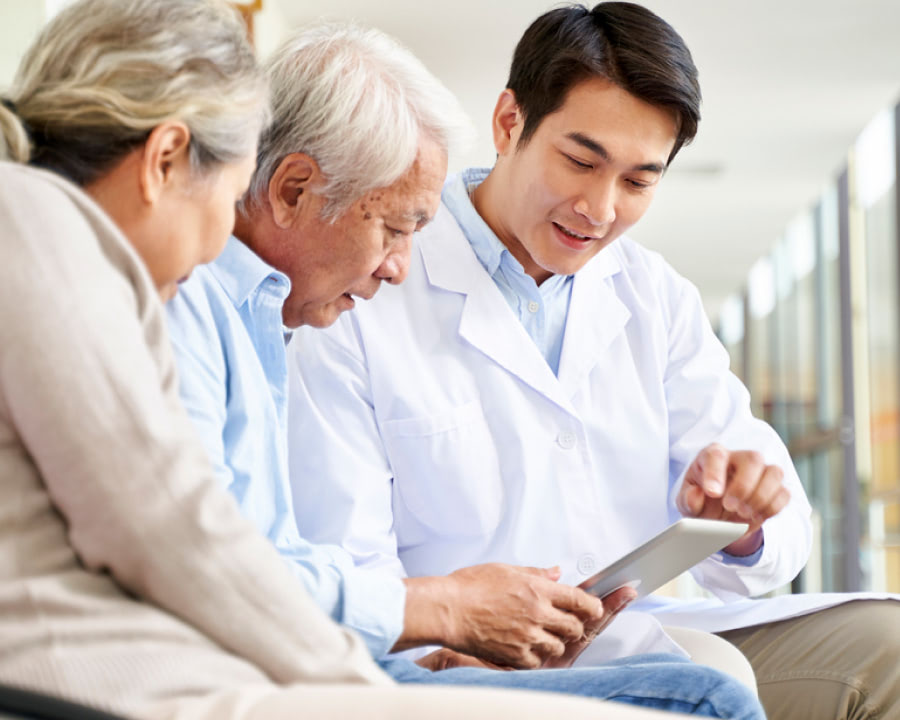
[(586, 564), (533, 307), (566, 440)]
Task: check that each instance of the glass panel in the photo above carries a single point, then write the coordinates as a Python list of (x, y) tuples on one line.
[(830, 391), (731, 332), (883, 549), (824, 487), (828, 483), (782, 351), (876, 195), (760, 374), (800, 328)]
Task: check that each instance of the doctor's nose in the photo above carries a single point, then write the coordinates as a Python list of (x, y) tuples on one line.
[(597, 204), (395, 266)]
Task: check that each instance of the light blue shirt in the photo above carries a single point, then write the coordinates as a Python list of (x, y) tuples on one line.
[(229, 342), (542, 309)]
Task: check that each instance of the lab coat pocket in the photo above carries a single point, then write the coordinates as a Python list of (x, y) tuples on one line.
[(446, 471)]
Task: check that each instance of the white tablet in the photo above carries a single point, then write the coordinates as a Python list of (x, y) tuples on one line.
[(677, 548)]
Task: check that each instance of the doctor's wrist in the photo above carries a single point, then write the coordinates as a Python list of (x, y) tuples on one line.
[(748, 545)]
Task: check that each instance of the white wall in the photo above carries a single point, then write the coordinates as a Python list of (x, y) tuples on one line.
[(270, 27), (20, 21)]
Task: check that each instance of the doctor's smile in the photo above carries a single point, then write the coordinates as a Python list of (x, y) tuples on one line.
[(575, 240)]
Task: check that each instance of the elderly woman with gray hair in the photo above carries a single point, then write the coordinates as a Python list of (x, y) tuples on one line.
[(128, 578)]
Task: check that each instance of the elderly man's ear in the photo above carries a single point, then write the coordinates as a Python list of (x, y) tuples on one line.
[(293, 181)]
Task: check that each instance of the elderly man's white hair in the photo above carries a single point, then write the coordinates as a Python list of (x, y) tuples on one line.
[(358, 103)]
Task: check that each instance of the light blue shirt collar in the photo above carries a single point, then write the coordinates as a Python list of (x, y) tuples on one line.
[(484, 242), (241, 272), (543, 309), (491, 252)]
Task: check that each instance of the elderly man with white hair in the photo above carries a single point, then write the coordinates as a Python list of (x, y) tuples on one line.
[(351, 168)]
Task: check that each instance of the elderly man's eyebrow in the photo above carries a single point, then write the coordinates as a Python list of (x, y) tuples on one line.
[(595, 147), (419, 217)]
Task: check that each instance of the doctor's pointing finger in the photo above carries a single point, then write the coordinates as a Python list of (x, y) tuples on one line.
[(734, 485)]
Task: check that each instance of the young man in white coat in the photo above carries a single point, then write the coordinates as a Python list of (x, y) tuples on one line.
[(544, 391)]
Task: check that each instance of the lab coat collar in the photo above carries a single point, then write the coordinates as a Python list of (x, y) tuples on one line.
[(488, 323), (596, 317)]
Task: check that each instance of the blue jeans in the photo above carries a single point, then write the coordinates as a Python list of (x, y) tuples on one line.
[(662, 682)]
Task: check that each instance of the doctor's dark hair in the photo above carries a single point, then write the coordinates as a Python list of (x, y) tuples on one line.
[(621, 42)]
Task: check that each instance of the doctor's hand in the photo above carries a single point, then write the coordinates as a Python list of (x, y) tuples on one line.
[(506, 615), (723, 484)]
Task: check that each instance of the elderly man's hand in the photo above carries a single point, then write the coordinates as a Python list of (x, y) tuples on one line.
[(733, 485), (506, 615), (613, 604), (445, 659)]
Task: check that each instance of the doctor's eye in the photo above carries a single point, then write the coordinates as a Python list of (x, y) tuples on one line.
[(640, 184), (578, 163)]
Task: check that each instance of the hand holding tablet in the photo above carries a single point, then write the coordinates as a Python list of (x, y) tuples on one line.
[(677, 548)]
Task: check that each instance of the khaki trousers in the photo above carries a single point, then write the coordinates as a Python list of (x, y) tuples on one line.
[(841, 663), (353, 702)]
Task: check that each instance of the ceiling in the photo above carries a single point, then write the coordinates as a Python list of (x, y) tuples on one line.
[(787, 87)]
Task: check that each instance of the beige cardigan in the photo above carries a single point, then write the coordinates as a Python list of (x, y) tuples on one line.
[(127, 576)]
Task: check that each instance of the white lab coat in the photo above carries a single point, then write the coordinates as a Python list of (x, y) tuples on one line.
[(427, 429)]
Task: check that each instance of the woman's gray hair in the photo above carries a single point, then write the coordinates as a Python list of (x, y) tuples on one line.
[(103, 73), (358, 103)]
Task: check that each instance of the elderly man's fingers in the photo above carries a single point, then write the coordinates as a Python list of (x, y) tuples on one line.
[(567, 626), (617, 601), (574, 600), (614, 603), (445, 658), (551, 573), (548, 647)]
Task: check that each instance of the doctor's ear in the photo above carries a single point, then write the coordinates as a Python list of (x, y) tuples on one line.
[(164, 160), (295, 175), (507, 122)]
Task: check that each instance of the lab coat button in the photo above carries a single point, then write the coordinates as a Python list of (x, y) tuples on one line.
[(586, 564), (533, 307), (566, 440)]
